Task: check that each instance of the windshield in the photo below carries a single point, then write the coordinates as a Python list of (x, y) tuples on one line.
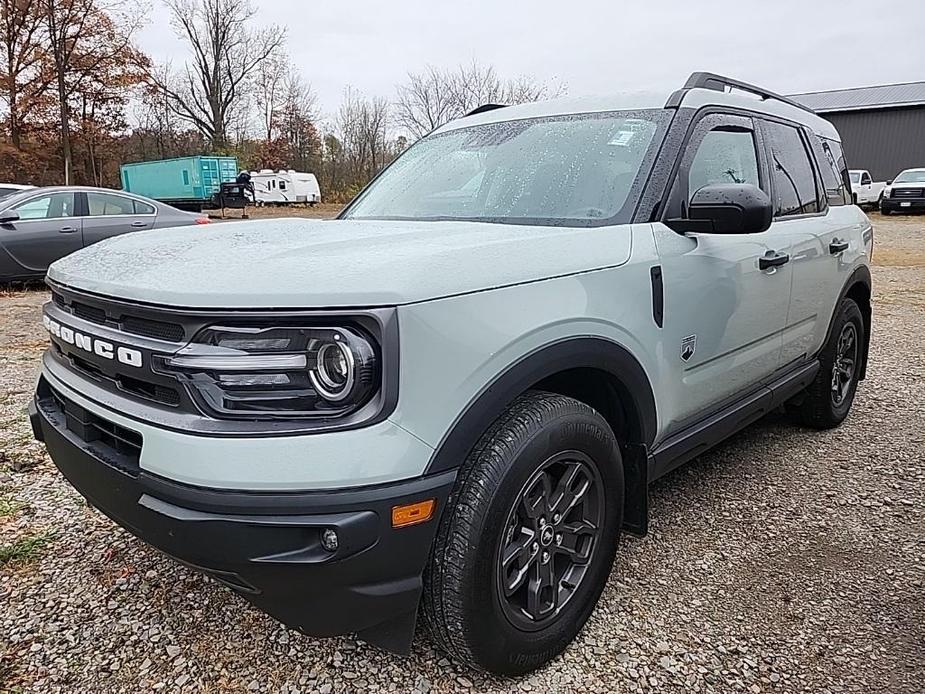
[(565, 170), (855, 176), (911, 176)]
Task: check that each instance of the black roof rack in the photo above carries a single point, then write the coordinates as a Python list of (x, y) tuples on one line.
[(709, 80), (483, 108)]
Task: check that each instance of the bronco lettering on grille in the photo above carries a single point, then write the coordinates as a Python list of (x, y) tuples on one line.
[(93, 345)]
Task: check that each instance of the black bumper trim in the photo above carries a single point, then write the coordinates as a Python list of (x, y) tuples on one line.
[(267, 547)]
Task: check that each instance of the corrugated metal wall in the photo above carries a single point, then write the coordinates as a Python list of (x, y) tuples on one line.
[(884, 142)]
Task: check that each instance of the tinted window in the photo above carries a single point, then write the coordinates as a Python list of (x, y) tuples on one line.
[(865, 179), (104, 204), (841, 165), (143, 207), (53, 206), (794, 182), (724, 156), (835, 186), (573, 170)]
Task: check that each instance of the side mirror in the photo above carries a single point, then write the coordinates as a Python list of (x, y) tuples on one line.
[(726, 208), (8, 217), (889, 181)]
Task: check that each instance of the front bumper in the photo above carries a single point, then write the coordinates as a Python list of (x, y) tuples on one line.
[(264, 545), (902, 205)]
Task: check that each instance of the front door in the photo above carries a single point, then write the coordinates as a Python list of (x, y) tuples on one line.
[(724, 312), (48, 228)]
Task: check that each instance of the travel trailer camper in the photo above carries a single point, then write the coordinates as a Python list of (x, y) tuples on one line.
[(285, 187)]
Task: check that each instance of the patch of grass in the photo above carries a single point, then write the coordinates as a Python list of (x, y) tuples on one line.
[(25, 549), (8, 507)]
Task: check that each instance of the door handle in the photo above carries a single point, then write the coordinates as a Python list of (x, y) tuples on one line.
[(67, 230), (837, 246), (139, 224), (773, 259)]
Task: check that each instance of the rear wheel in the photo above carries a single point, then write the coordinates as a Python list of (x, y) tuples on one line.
[(528, 538), (828, 399)]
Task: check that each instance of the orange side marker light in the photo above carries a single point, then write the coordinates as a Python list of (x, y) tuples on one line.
[(412, 514)]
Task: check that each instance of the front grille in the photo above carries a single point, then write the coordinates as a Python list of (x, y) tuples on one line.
[(113, 444), (89, 313), (143, 389), (152, 328), (907, 193), (136, 325)]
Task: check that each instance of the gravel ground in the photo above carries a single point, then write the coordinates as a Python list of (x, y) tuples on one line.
[(785, 560)]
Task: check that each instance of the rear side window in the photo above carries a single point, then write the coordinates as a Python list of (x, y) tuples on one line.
[(143, 207), (106, 205), (835, 185), (794, 181)]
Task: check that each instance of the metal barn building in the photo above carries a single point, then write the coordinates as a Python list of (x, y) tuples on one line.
[(882, 128)]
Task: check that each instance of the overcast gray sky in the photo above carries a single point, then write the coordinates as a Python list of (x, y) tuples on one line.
[(593, 47)]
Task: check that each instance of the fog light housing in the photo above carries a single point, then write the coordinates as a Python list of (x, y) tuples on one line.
[(329, 539)]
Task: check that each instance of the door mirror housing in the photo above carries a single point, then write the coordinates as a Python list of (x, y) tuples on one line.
[(726, 208), (889, 181), (8, 217)]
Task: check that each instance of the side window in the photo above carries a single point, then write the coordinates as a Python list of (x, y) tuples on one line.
[(865, 179), (282, 185), (842, 166), (794, 180), (106, 205), (52, 206), (185, 177), (725, 155), (143, 207), (832, 181)]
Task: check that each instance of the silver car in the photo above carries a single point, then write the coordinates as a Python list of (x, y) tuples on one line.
[(40, 225)]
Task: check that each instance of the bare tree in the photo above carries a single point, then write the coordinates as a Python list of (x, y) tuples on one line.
[(84, 37), (270, 89), (362, 125), (21, 61), (226, 52), (425, 102), (434, 97)]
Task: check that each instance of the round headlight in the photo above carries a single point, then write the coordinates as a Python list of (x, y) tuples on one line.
[(335, 372)]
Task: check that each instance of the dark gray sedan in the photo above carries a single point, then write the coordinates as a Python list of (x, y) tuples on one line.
[(40, 225)]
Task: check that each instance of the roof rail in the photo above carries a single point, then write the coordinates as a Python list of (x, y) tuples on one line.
[(709, 80), (483, 108)]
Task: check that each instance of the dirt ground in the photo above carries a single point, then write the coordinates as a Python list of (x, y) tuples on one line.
[(785, 560)]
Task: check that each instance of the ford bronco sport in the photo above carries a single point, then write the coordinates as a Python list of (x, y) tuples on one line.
[(454, 397)]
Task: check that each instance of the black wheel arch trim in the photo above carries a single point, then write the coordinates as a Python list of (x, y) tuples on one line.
[(861, 276), (543, 362)]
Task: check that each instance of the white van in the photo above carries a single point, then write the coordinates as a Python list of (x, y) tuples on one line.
[(284, 187)]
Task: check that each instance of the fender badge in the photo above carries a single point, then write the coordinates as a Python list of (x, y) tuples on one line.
[(688, 347)]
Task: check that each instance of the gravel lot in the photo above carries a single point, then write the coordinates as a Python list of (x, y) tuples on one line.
[(786, 560)]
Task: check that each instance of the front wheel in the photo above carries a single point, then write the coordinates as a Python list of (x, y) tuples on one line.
[(527, 541), (828, 399)]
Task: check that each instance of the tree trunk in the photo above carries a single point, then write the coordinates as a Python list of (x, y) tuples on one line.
[(65, 126)]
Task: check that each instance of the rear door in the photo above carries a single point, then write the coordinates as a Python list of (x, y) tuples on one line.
[(111, 214), (820, 233), (48, 228), (724, 312)]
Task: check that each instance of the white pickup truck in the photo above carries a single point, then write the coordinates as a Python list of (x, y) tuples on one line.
[(864, 190)]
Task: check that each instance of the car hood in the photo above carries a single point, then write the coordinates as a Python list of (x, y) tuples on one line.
[(300, 263)]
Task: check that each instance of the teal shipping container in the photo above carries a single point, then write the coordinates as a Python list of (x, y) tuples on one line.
[(187, 182)]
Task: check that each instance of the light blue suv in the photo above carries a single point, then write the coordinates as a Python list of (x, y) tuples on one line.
[(452, 399)]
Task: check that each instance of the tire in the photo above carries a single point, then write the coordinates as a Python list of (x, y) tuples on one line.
[(824, 406), (500, 484)]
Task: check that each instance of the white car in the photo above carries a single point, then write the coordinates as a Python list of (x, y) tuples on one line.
[(905, 193), (863, 188)]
